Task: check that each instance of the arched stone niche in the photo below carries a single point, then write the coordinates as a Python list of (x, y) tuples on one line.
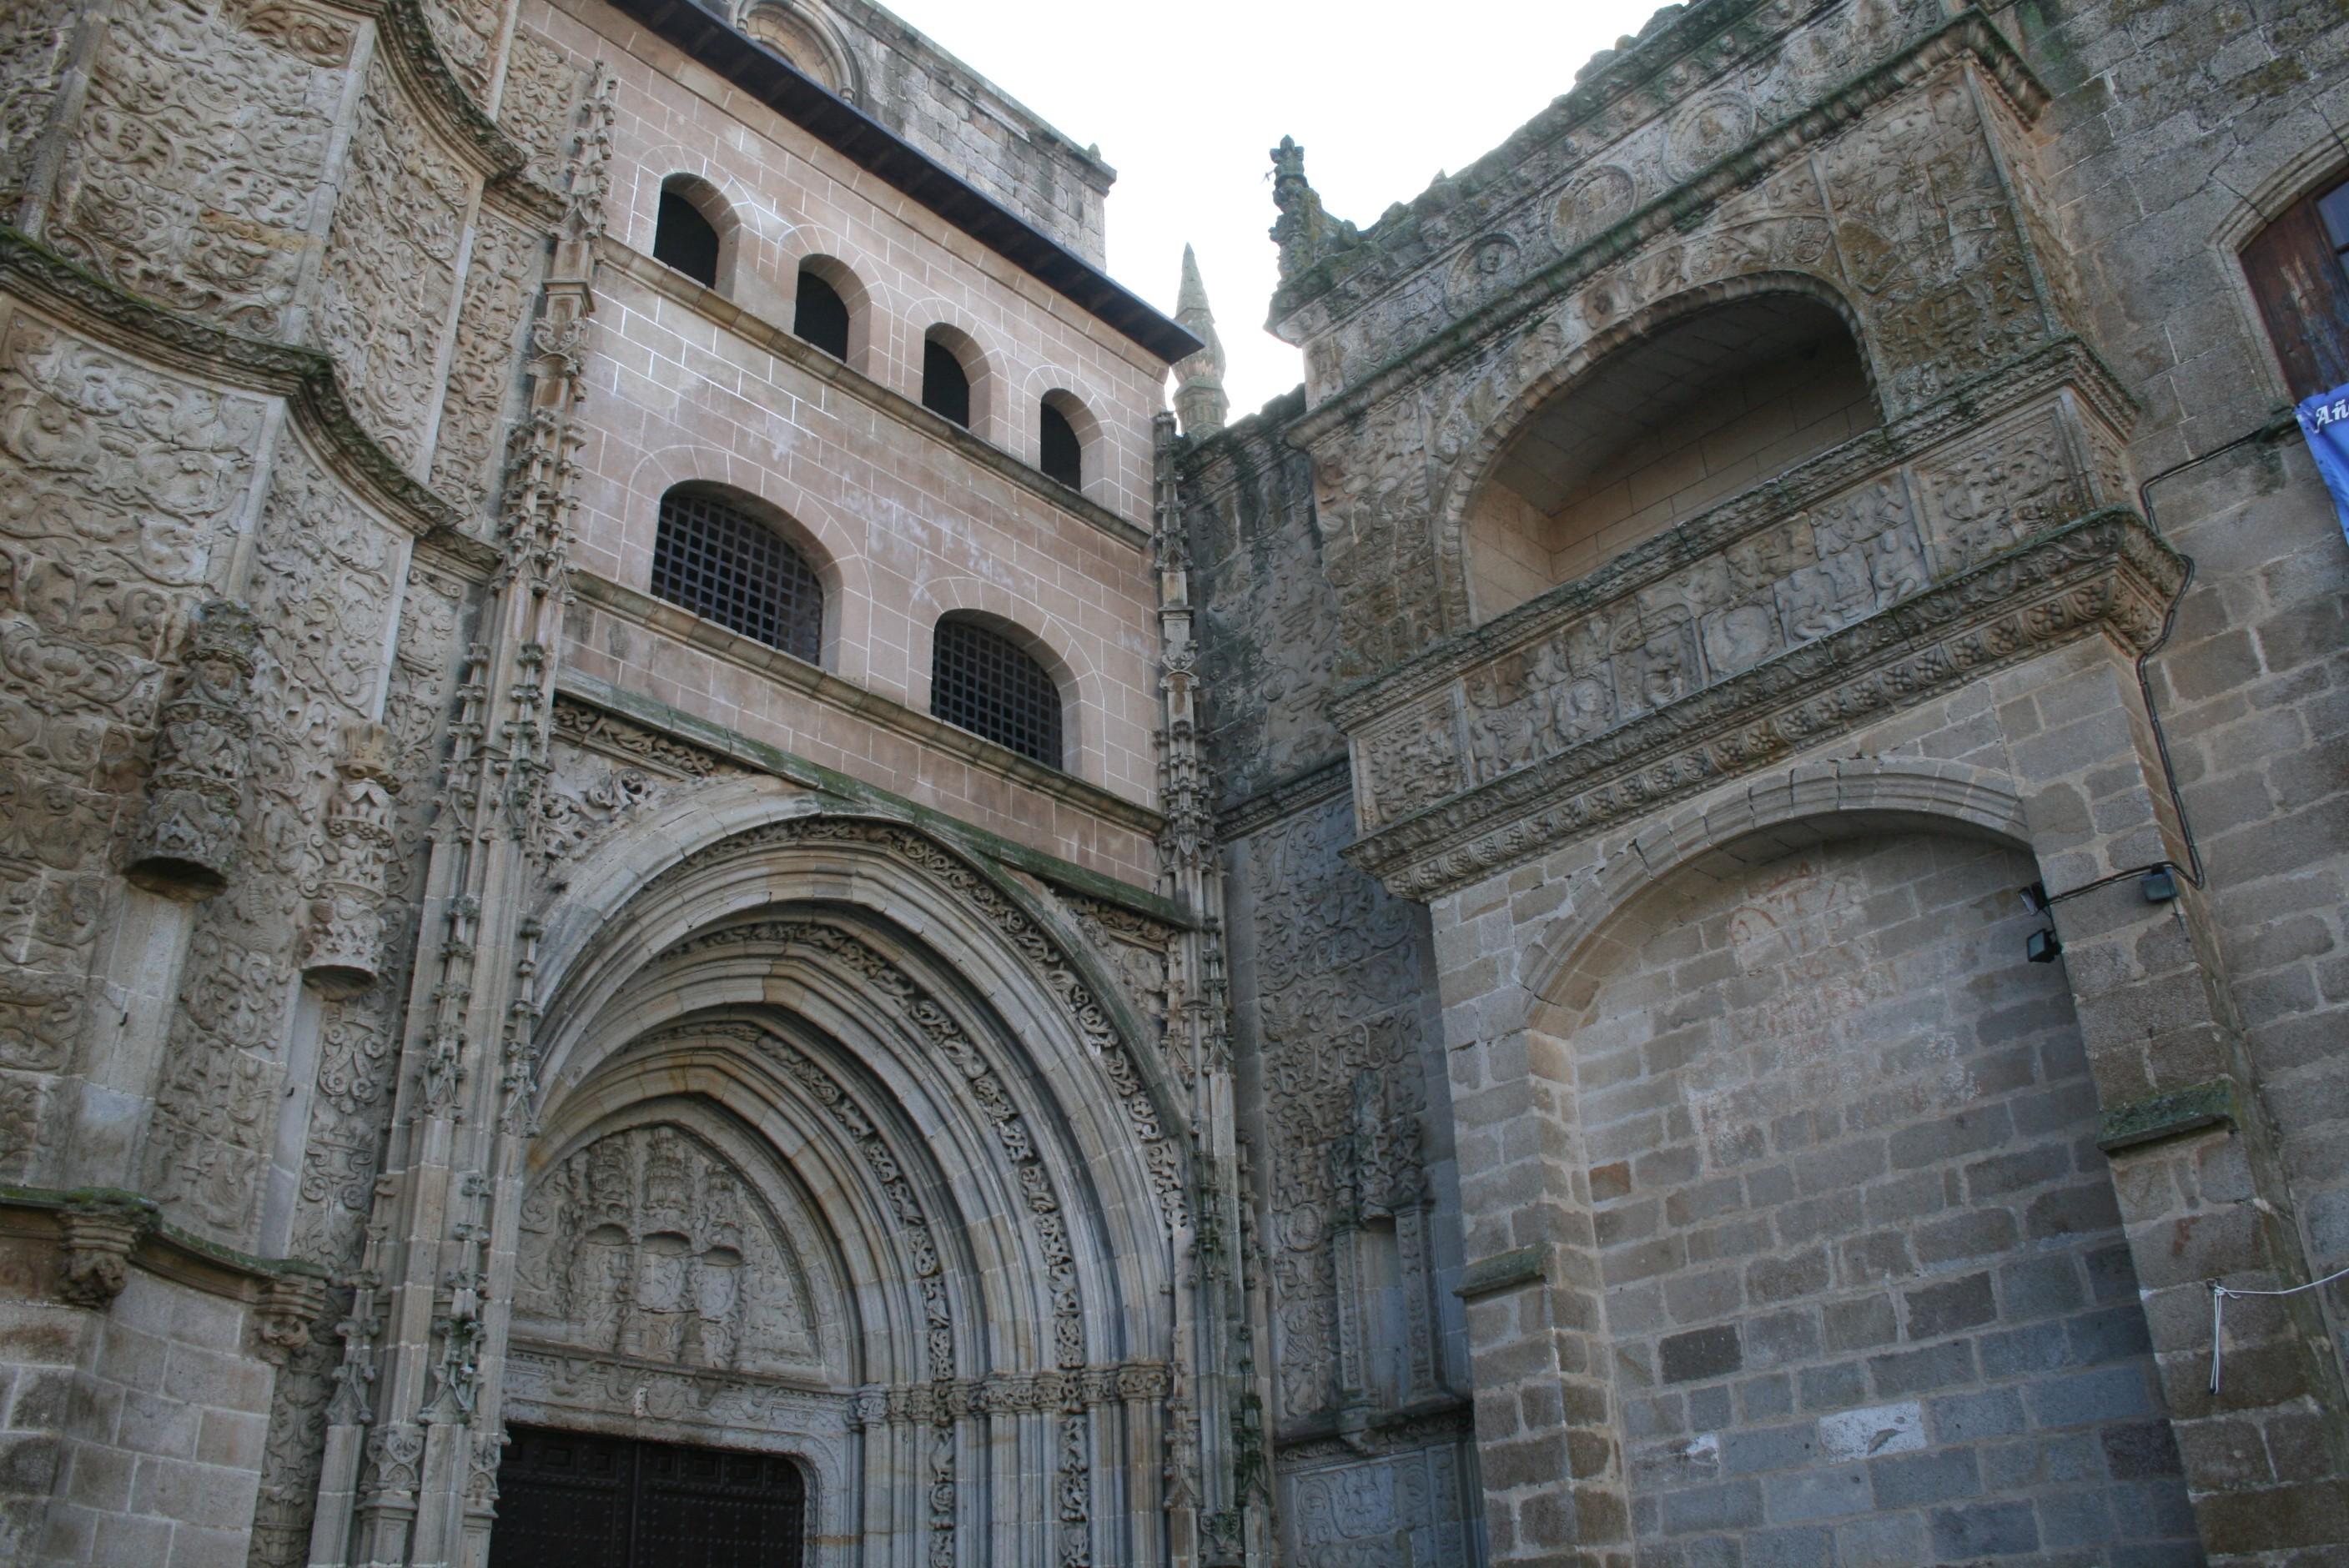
[(1704, 407), (1791, 1159), (1950, 298)]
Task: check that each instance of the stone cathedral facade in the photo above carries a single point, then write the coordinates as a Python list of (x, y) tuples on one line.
[(680, 884)]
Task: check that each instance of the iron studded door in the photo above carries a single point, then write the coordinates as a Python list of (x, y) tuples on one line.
[(580, 1499)]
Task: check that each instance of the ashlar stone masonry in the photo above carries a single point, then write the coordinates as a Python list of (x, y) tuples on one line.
[(1677, 916)]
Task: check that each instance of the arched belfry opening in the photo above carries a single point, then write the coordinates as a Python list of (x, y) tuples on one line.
[(843, 1155), (1654, 433)]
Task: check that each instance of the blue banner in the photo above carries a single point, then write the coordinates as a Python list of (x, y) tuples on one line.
[(2324, 420)]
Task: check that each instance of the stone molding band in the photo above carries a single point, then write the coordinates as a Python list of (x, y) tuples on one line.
[(2105, 572)]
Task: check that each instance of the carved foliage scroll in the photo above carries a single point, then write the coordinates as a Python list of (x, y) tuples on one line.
[(1339, 982), (323, 584), (122, 482), (191, 174), (538, 103), (498, 280), (467, 33), (34, 37), (391, 268)]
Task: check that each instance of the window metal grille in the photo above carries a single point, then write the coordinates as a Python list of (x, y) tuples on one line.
[(738, 571), (982, 681)]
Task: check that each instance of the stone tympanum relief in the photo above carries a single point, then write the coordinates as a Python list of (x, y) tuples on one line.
[(649, 1244)]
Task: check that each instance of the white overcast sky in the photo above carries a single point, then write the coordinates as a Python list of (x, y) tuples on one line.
[(1185, 101)]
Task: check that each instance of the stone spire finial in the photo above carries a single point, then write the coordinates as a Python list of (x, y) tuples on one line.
[(1199, 400), (1304, 232)]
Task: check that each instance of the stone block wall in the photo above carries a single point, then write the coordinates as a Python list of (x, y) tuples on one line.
[(1864, 1275)]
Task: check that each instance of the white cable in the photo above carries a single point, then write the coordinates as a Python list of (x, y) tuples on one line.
[(2219, 1294)]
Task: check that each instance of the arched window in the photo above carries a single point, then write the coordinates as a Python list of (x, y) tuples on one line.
[(683, 236), (945, 384), (2299, 271), (1059, 453), (982, 681), (722, 564), (820, 316)]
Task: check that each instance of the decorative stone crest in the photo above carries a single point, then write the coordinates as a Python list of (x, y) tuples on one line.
[(344, 951), (188, 838), (98, 1236), (1303, 232), (289, 1306)]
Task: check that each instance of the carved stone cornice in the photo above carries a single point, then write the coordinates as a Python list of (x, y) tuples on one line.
[(423, 70), (1294, 794), (304, 376), (1349, 279), (2104, 573), (87, 1224), (2067, 365)]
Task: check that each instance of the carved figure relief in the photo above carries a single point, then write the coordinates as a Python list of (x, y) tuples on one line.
[(1707, 132), (192, 173), (1928, 239), (390, 269), (649, 1244), (1595, 202)]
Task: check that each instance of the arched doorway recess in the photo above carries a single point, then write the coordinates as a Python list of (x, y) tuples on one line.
[(847, 1159)]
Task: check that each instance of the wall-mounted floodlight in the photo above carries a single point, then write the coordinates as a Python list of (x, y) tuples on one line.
[(2041, 946)]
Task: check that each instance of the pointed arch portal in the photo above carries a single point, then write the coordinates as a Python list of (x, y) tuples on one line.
[(846, 1162)]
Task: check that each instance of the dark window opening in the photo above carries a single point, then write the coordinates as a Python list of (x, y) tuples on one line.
[(685, 240), (982, 681), (1063, 456), (734, 569), (821, 317), (2299, 271), (587, 1500), (945, 389)]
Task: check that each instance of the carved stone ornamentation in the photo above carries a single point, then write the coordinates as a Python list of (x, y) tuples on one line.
[(342, 953), (650, 1243), (98, 1236), (290, 1308), (189, 836)]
